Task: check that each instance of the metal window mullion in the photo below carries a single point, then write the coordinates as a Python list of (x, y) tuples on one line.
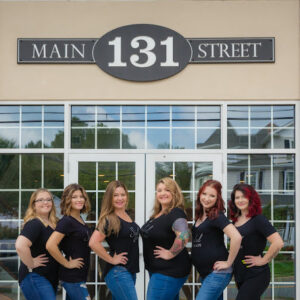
[(42, 170), (249, 124), (117, 172), (146, 128), (196, 125), (171, 124), (43, 126), (249, 169), (95, 116), (272, 127), (97, 218), (20, 127), (121, 126)]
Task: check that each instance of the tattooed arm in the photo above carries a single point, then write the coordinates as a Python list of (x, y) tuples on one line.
[(180, 227)]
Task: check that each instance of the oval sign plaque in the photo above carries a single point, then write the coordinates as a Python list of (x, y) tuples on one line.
[(142, 52)]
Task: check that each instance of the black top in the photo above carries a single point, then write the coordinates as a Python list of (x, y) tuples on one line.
[(126, 241), (39, 234), (254, 233), (75, 244), (158, 232), (208, 244)]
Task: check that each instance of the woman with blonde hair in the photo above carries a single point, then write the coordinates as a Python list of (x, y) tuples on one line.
[(165, 235), (121, 233), (38, 272), (72, 236)]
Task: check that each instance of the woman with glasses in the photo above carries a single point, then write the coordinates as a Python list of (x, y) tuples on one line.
[(122, 235), (38, 272), (165, 235), (72, 237), (251, 269)]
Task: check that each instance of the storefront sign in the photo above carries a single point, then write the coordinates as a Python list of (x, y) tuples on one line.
[(144, 52)]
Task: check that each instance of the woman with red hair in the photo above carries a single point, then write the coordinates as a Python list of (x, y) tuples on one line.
[(251, 269), (209, 254)]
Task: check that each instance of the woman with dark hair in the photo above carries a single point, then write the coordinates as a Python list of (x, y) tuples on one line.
[(72, 235), (209, 253), (251, 269), (122, 235), (165, 235), (38, 273)]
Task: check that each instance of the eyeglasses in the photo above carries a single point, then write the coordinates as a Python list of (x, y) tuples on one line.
[(43, 200)]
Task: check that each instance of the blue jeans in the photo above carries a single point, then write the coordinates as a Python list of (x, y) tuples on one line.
[(121, 283), (213, 286), (162, 287), (76, 290), (37, 287)]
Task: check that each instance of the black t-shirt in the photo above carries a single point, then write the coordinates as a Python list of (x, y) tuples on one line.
[(75, 244), (158, 232), (39, 234), (208, 244), (254, 233), (126, 241)]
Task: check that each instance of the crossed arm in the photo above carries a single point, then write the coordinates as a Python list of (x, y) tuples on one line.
[(180, 227)]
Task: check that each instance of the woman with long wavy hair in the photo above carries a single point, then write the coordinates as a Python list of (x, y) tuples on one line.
[(209, 253), (38, 272), (72, 236), (165, 235), (121, 233), (251, 269)]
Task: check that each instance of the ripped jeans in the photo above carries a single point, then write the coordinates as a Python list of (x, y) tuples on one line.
[(76, 290)]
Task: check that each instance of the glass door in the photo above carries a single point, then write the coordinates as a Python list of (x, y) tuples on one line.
[(94, 172)]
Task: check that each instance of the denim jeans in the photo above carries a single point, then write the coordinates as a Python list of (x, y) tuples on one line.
[(121, 283), (162, 287), (76, 290), (213, 286), (37, 287)]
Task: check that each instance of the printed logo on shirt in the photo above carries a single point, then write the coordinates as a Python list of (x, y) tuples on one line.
[(134, 234), (197, 240)]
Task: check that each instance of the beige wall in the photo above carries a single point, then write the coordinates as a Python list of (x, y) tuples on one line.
[(272, 81)]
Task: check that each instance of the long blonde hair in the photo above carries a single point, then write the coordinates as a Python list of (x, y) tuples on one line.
[(66, 199), (31, 212), (177, 197), (108, 221)]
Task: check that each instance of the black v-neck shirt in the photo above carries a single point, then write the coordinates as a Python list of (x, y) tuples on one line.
[(208, 244), (159, 232), (75, 244), (127, 240), (254, 232), (38, 234)]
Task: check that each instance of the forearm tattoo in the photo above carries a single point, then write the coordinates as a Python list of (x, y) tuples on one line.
[(180, 227)]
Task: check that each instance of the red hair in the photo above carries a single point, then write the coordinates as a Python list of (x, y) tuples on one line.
[(251, 194), (219, 206)]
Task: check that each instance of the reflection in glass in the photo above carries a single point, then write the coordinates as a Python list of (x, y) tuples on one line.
[(54, 115), (163, 169), (25, 198), (158, 139), (158, 116), (9, 138), (231, 292), (126, 174), (260, 138), (283, 115), (183, 138), (31, 115), (260, 116), (9, 290), (9, 208), (283, 172), (237, 116), (83, 138), (108, 116), (133, 139), (208, 116), (53, 138), (287, 232), (9, 115), (284, 138), (284, 204), (9, 233), (54, 171), (208, 138), (92, 214), (108, 138), (133, 116), (237, 138), (87, 175), (237, 169), (106, 173), (31, 171), (260, 177), (8, 266), (183, 116), (284, 268), (31, 138), (9, 171), (188, 205), (131, 205), (286, 292), (100, 197), (183, 175), (83, 116), (186, 292), (203, 172), (266, 204)]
